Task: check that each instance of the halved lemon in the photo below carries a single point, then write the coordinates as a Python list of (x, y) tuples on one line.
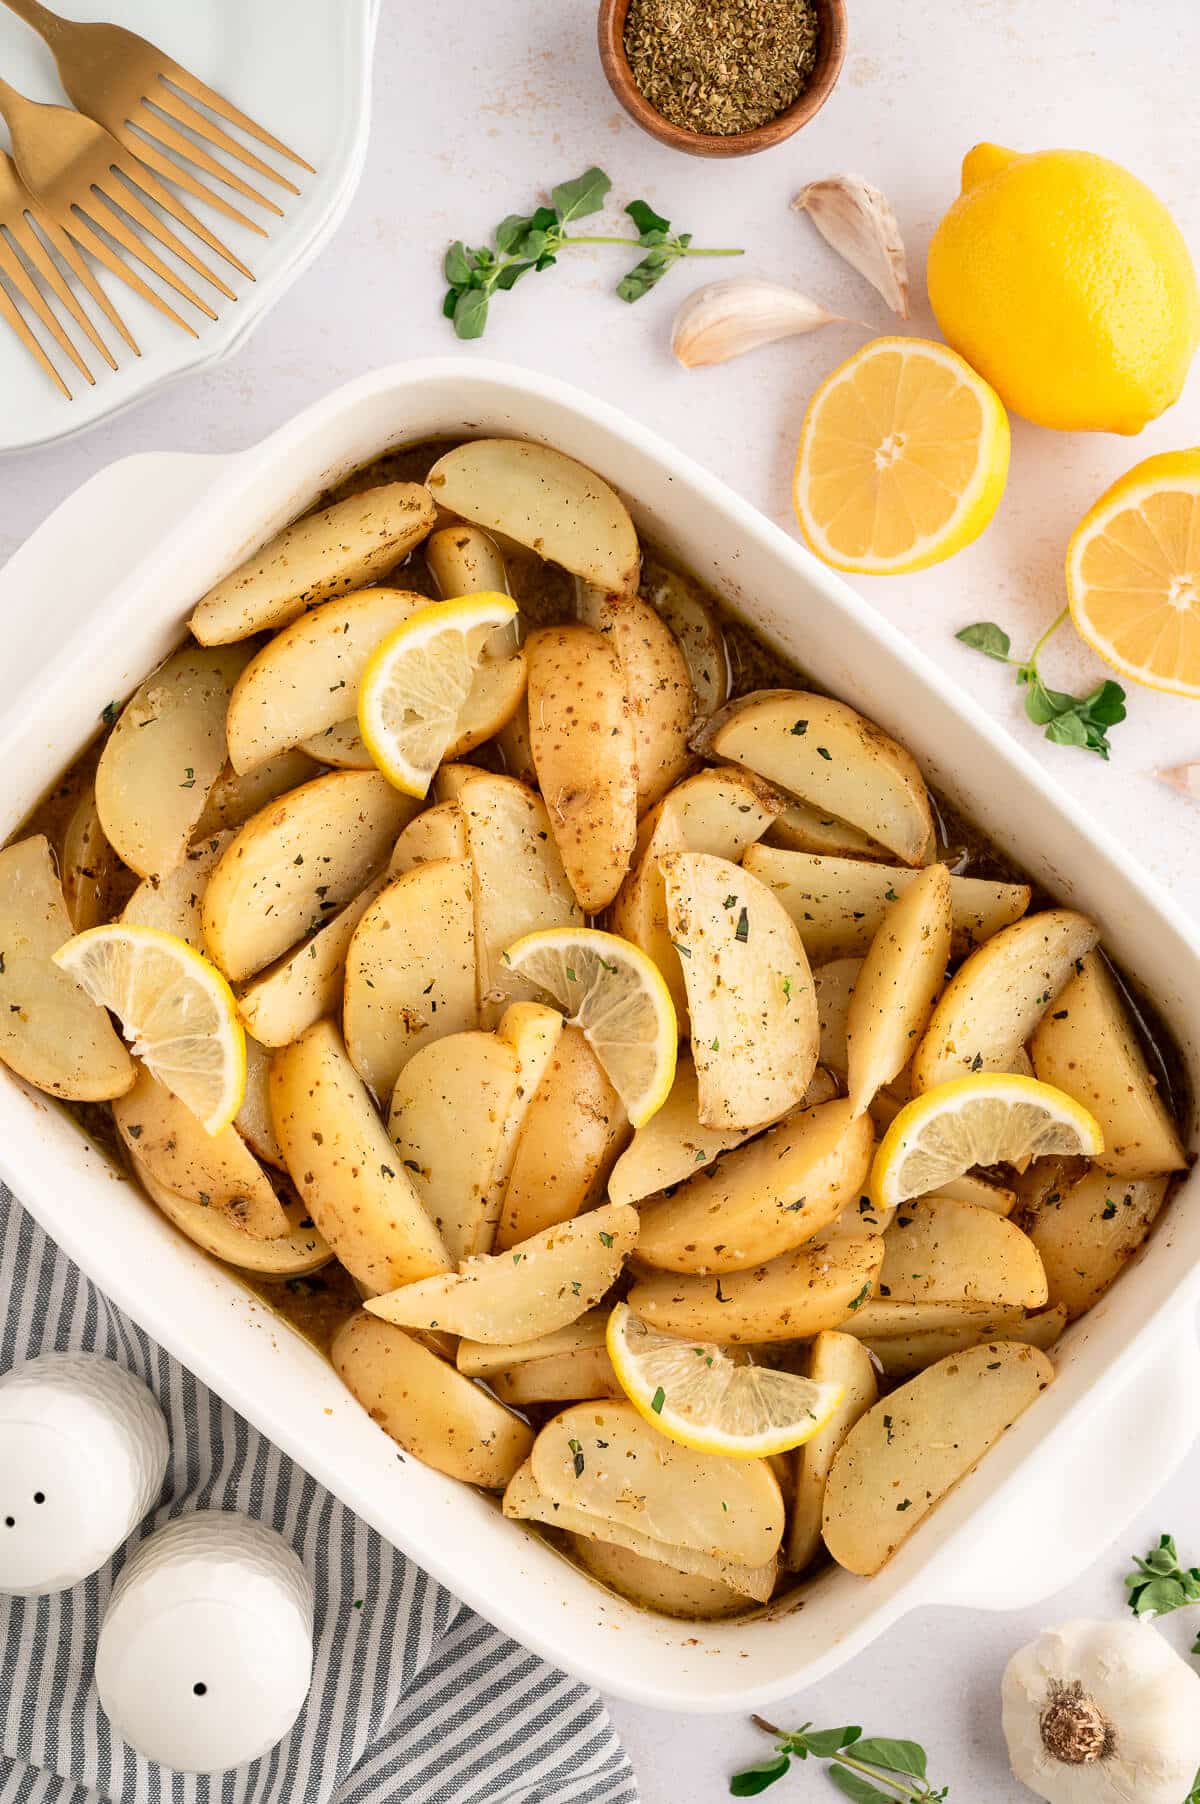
[(417, 681), (618, 998), (697, 1395), (983, 1119), (1133, 573), (175, 1009), (903, 458)]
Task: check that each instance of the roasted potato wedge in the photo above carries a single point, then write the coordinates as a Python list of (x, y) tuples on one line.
[(559, 1378), (341, 747), (801, 827), (295, 863), (172, 903), (164, 756), (324, 554), (51, 1032), (763, 1198), (253, 1120), (824, 752), (341, 1161), (462, 560), (544, 500), (88, 865), (941, 1251), (215, 1171), (790, 1298), (903, 1355), (427, 1406), (750, 995), (480, 1359), (410, 970), (894, 993), (1087, 1046), (233, 798), (657, 684), (887, 1476), (438, 832), (307, 982), (839, 903), (585, 754), (541, 1285), (970, 1188), (294, 1254), (691, 618), (832, 1359), (884, 1318), (515, 746), (574, 1127), (654, 1585), (999, 994), (833, 985), (1087, 1238)]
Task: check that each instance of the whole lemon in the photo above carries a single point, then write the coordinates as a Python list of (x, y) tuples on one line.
[(1067, 284)]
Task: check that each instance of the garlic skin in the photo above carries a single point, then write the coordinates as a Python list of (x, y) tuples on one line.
[(1102, 1713), (1184, 777), (727, 319), (858, 221)]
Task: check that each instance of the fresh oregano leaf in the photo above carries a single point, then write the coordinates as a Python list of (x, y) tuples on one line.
[(987, 637), (826, 1742), (510, 231), (450, 302), (892, 1756), (754, 1779), (647, 220), (457, 265), (855, 1786), (1068, 719), (586, 194), (470, 313), (511, 274)]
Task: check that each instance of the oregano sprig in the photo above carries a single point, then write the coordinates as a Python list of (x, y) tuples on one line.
[(873, 1770), (532, 241), (1160, 1584), (1079, 720)]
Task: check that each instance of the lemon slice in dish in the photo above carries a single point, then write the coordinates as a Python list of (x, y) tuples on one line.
[(984, 1119), (618, 998), (417, 681), (696, 1394), (175, 1009)]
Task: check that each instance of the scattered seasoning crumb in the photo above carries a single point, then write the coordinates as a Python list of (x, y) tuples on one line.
[(721, 66)]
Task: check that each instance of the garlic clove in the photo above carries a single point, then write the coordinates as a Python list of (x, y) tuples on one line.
[(858, 221), (726, 319), (1184, 777)]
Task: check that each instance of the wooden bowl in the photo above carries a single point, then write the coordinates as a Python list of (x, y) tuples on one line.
[(831, 52)]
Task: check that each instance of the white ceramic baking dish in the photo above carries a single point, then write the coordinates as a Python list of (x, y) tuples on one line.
[(100, 593)]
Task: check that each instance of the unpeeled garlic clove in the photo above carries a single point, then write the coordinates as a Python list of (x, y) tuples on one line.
[(726, 319), (858, 221), (1184, 777)]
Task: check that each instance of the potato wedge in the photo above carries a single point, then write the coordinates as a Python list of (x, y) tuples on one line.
[(560, 1378), (215, 1171), (307, 982), (832, 1359), (479, 1359), (834, 986), (321, 554), (462, 560), (574, 1127), (295, 863), (981, 1191), (88, 865), (585, 754), (653, 1585), (761, 1199), (1087, 1238), (428, 1407), (1087, 1046), (686, 609), (657, 684), (495, 695), (901, 976), (515, 746), (883, 1318), (839, 903), (887, 1476), (410, 970), (439, 832), (164, 756), (721, 811), (546, 1282), (824, 752), (51, 1032), (753, 1011), (341, 1161), (999, 994), (903, 1355), (448, 1118), (520, 883), (292, 1255), (172, 904), (253, 1120), (233, 798), (859, 1217), (607, 1461), (801, 827), (545, 501), (941, 1251), (790, 1298)]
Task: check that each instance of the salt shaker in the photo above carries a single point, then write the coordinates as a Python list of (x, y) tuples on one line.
[(83, 1450), (205, 1652)]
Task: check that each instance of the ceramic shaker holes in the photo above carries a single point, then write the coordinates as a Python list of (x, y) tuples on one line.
[(205, 1652), (83, 1451)]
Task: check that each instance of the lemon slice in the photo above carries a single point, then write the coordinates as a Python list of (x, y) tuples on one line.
[(984, 1119), (175, 1009), (695, 1393), (618, 998), (417, 681), (902, 460)]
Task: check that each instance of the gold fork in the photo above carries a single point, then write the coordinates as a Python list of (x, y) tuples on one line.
[(141, 96)]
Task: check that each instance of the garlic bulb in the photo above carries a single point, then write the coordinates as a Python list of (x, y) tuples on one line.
[(1103, 1713), (858, 221), (727, 318)]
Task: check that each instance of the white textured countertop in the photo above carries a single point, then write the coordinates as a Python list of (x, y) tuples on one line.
[(480, 105)]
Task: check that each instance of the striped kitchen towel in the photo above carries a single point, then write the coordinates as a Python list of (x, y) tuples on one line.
[(414, 1699)]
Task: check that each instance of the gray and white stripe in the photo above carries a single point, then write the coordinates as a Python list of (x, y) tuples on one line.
[(414, 1699)]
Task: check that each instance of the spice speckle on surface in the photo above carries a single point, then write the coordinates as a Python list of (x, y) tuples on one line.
[(721, 66)]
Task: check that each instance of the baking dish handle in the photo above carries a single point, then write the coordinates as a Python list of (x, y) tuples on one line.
[(1050, 1531)]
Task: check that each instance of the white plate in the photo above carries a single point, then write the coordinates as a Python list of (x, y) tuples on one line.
[(302, 69)]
